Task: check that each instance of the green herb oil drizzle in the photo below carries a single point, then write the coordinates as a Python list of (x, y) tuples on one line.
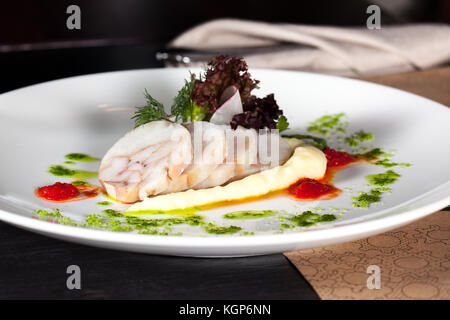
[(80, 157), (242, 215), (61, 171)]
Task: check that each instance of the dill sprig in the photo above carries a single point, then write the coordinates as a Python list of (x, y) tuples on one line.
[(183, 106), (153, 111)]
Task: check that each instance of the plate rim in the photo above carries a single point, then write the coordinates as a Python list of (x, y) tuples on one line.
[(390, 222)]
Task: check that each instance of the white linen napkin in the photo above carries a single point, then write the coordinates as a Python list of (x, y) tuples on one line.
[(325, 49)]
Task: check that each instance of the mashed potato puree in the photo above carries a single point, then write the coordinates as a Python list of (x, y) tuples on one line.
[(306, 162)]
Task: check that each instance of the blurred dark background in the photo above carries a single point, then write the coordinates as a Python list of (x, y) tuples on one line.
[(135, 21), (126, 34)]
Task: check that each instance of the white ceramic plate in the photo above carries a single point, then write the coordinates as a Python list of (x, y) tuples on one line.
[(41, 123)]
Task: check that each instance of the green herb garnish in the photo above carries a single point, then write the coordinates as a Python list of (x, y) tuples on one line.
[(113, 213), (139, 223), (308, 218), (183, 108), (325, 124), (254, 214), (54, 214), (388, 164), (199, 98), (382, 179), (57, 216), (282, 123), (357, 137), (153, 111), (61, 171), (104, 203), (211, 228), (364, 200), (80, 157), (373, 154), (107, 223), (318, 142), (80, 183)]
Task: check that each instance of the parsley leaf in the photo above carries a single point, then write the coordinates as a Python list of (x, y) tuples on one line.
[(282, 123)]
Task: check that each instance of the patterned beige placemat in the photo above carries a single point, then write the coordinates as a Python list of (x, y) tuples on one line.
[(412, 262), (433, 84)]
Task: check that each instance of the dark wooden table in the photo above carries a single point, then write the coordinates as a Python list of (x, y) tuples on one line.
[(33, 266)]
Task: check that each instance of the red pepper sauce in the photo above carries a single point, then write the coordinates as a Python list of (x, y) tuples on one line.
[(64, 192), (337, 158), (309, 189)]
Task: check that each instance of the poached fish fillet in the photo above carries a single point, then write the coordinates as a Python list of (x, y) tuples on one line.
[(162, 157)]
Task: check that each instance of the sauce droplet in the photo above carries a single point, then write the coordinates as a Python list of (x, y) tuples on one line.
[(337, 158), (58, 192), (63, 192), (309, 189)]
